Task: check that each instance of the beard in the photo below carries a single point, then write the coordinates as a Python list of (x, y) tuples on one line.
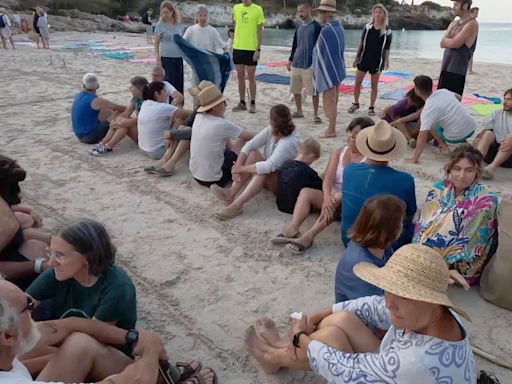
[(27, 344)]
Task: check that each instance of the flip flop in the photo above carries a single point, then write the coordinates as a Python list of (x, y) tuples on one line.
[(185, 370), (297, 248), (353, 108), (281, 240)]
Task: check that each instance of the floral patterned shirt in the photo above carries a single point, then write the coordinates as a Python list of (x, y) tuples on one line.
[(460, 227), (401, 358)]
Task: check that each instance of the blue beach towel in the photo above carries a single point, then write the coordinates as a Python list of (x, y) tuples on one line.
[(395, 94), (205, 64), (494, 100), (117, 55), (398, 74), (273, 78)]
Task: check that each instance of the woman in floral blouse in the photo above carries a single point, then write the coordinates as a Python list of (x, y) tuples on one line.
[(459, 218)]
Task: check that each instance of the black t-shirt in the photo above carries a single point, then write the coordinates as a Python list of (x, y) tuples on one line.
[(373, 48), (292, 176)]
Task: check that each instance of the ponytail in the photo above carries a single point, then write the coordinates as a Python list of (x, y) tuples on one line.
[(149, 90)]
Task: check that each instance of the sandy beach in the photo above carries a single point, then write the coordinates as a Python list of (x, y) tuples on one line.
[(200, 282)]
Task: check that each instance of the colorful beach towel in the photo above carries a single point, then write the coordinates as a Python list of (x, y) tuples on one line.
[(402, 75), (486, 109), (205, 64), (273, 78), (328, 61), (117, 55), (494, 100)]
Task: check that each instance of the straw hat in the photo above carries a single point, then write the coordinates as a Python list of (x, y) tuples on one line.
[(381, 142), (194, 91), (209, 98), (416, 272), (327, 5)]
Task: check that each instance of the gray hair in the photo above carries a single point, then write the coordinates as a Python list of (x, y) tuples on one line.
[(138, 81), (8, 315), (201, 8), (90, 82), (160, 70), (91, 240)]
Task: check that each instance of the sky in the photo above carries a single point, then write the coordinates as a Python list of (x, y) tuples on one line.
[(490, 10)]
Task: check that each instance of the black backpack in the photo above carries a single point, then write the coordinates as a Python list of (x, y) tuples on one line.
[(485, 378), (2, 22), (145, 19)]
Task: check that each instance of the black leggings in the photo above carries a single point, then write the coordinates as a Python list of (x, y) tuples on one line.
[(174, 71)]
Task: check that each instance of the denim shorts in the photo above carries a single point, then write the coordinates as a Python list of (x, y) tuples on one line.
[(156, 154)]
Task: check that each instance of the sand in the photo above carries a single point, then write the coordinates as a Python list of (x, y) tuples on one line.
[(200, 282)]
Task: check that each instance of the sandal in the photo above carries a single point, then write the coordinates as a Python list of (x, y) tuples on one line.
[(197, 380), (186, 371), (297, 248), (317, 120), (371, 111), (280, 239), (353, 108)]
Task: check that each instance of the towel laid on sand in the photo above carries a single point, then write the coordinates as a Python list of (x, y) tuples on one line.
[(486, 109), (273, 78)]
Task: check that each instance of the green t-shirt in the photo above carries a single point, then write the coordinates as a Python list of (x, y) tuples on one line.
[(246, 21), (111, 299)]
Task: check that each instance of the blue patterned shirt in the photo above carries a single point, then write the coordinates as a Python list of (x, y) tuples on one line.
[(402, 357)]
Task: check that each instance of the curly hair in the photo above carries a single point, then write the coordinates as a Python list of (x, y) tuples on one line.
[(281, 120), (464, 151), (11, 174)]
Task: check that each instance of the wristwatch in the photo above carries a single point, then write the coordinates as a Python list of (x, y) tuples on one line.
[(38, 265), (296, 338), (131, 338)]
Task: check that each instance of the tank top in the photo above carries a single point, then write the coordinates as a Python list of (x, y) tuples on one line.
[(338, 177), (456, 60), (84, 118)]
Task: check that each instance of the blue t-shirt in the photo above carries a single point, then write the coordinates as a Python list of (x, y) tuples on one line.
[(168, 48), (84, 118), (362, 181), (304, 41), (347, 285)]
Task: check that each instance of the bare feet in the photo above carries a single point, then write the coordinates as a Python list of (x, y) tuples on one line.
[(230, 212), (259, 349), (327, 135), (267, 330), (221, 194), (412, 160)]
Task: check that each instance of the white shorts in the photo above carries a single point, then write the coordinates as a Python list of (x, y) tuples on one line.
[(301, 78), (5, 32)]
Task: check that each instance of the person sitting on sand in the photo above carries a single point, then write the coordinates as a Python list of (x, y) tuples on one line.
[(125, 123), (174, 96), (495, 142), (83, 280), (443, 117), (459, 219), (340, 343), (155, 117), (377, 227), (22, 255), (380, 144), (405, 116), (327, 200), (91, 114), (280, 142), (216, 142), (80, 350)]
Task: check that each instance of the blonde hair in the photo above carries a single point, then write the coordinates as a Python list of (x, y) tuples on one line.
[(310, 145), (386, 18), (170, 6)]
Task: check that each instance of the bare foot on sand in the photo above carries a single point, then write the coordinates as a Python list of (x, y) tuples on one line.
[(267, 330), (260, 350), (205, 376)]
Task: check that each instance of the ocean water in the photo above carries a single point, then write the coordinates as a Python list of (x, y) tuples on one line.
[(492, 47)]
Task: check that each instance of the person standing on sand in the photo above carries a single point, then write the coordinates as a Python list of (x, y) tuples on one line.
[(474, 13), (329, 63), (147, 20), (168, 55), (35, 18), (301, 59), (459, 43), (372, 55), (248, 19), (5, 30), (42, 24)]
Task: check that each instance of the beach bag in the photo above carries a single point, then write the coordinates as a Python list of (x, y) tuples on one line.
[(496, 281), (2, 22)]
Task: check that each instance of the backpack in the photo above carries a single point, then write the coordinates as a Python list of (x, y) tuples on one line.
[(145, 19), (2, 22)]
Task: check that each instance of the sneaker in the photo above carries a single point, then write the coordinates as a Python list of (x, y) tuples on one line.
[(100, 151), (252, 108), (95, 148), (240, 107)]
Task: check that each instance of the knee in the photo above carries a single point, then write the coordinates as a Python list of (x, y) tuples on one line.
[(82, 343), (488, 136), (339, 319)]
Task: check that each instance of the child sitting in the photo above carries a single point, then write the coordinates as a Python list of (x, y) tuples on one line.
[(378, 225)]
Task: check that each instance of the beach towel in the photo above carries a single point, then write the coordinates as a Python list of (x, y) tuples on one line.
[(395, 94), (402, 75), (472, 99), (261, 66), (346, 89), (273, 78), (117, 55), (386, 78), (328, 58), (494, 100), (277, 64), (144, 60), (486, 109), (205, 64)]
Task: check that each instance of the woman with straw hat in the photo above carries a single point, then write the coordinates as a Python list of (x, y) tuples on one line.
[(425, 340)]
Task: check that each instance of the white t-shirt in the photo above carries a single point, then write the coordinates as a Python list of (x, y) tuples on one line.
[(444, 109), (154, 118), (209, 138), (19, 375), (207, 38), (169, 89)]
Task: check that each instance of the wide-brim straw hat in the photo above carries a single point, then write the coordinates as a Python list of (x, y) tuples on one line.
[(415, 272), (381, 142), (327, 5), (194, 91), (209, 98)]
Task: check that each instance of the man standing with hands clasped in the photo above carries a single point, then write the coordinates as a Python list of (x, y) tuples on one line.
[(301, 59), (248, 19)]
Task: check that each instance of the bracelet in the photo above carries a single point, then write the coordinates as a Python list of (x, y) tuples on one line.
[(38, 265)]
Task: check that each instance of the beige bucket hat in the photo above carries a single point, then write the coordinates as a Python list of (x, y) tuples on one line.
[(327, 5), (416, 272), (209, 98), (194, 91), (381, 142)]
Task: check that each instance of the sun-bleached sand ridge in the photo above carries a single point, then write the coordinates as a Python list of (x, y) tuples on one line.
[(200, 282)]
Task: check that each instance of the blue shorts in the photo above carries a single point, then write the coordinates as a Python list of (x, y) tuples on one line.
[(440, 132), (95, 137)]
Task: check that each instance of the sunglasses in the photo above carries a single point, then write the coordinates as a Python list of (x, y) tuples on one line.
[(31, 304)]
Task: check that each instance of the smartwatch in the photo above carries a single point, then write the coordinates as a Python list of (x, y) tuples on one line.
[(296, 338), (131, 338)]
